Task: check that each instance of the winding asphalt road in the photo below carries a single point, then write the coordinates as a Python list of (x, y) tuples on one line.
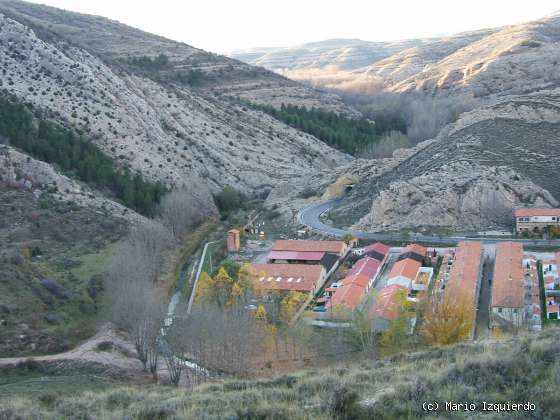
[(311, 217)]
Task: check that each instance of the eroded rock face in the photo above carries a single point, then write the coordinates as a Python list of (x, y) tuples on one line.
[(20, 171), (462, 197), (507, 153)]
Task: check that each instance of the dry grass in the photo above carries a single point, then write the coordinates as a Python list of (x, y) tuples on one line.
[(525, 368)]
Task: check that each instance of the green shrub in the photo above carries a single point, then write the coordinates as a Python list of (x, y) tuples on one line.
[(105, 346), (47, 400), (118, 399), (228, 200)]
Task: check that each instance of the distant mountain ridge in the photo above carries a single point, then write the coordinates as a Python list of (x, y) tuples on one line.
[(343, 54), (512, 59)]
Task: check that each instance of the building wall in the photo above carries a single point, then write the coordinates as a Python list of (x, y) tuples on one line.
[(400, 280), (536, 222), (507, 315)]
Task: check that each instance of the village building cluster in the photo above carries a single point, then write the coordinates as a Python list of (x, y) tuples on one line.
[(380, 281)]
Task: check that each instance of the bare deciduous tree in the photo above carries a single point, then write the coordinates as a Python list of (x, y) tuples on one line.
[(185, 208), (137, 305), (148, 243), (389, 142)]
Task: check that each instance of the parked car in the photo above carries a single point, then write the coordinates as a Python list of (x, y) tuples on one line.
[(321, 308)]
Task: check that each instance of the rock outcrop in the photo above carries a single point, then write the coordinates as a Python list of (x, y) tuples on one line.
[(506, 154), (21, 172), (461, 197)]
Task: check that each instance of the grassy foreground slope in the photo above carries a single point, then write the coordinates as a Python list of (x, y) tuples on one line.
[(520, 369), (51, 256)]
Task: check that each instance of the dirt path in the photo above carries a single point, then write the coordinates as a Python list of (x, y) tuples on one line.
[(483, 313), (122, 356)]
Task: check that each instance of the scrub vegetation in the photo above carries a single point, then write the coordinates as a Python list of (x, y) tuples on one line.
[(518, 369)]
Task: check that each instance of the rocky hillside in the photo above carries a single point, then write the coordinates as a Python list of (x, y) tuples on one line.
[(514, 59), (90, 73), (472, 176), (469, 178), (115, 43), (510, 60), (500, 155)]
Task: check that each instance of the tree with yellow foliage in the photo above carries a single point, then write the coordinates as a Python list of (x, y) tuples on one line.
[(203, 287), (225, 291), (260, 313), (290, 305), (446, 320), (217, 289), (397, 335)]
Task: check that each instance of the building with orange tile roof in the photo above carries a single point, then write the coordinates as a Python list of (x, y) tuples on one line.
[(359, 280), (298, 277), (536, 219), (346, 298), (233, 240), (408, 264), (356, 284), (334, 247), (464, 276), (508, 294)]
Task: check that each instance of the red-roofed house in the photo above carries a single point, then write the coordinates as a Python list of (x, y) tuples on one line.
[(508, 293), (377, 251), (356, 284), (408, 264), (368, 267), (465, 273), (347, 297), (536, 219)]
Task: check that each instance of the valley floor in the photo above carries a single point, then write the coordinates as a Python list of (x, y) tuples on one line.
[(519, 369)]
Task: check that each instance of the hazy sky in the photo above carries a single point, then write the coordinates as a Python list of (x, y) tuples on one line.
[(224, 25)]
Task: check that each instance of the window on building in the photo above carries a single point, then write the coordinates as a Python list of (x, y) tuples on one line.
[(515, 311), (499, 310)]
